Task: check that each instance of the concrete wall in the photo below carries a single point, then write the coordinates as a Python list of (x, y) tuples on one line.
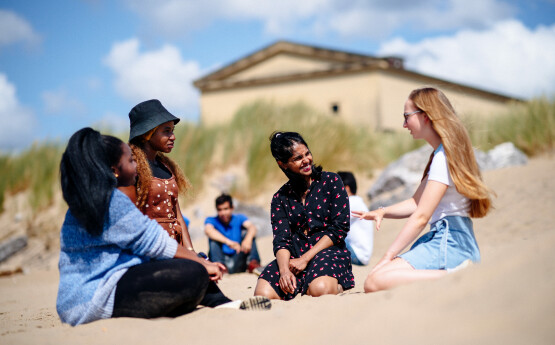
[(395, 88), (354, 96), (374, 98)]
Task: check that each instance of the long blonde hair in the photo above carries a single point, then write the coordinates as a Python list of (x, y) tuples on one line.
[(144, 173), (461, 161)]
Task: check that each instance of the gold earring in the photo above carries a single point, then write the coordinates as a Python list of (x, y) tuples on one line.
[(116, 175)]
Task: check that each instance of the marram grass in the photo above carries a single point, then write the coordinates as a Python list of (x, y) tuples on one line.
[(336, 145)]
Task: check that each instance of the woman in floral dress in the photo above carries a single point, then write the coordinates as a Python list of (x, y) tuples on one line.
[(310, 220)]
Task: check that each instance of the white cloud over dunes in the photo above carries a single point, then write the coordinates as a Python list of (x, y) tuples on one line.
[(14, 29), (18, 122), (507, 58), (349, 18), (161, 74)]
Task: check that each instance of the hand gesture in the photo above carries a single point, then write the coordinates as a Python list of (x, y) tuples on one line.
[(376, 215), (297, 265), (287, 281)]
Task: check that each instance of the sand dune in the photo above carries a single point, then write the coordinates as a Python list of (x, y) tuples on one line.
[(507, 299)]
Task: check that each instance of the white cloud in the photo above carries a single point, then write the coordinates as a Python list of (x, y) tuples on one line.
[(161, 74), (507, 58), (59, 102), (354, 18), (18, 122), (14, 29)]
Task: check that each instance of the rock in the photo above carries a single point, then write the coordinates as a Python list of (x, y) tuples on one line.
[(506, 155), (483, 160), (401, 178), (12, 246)]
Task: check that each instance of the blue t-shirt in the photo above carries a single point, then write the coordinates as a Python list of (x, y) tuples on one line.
[(232, 231)]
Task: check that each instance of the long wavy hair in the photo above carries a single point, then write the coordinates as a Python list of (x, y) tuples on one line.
[(87, 178), (461, 161), (281, 145), (144, 173)]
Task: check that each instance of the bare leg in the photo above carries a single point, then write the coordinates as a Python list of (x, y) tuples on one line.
[(263, 288), (323, 286), (398, 272)]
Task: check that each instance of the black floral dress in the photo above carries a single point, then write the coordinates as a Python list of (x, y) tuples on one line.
[(298, 227)]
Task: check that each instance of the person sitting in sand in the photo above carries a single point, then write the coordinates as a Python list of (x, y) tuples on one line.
[(114, 261), (231, 238), (451, 191), (360, 239), (159, 178), (310, 220)]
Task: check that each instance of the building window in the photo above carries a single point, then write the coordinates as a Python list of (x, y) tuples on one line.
[(335, 108)]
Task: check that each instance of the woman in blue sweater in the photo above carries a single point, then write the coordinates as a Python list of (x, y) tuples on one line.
[(114, 261)]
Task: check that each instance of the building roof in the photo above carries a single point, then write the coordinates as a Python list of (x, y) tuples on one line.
[(339, 62)]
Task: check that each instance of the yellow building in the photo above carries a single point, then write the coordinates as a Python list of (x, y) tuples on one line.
[(358, 88)]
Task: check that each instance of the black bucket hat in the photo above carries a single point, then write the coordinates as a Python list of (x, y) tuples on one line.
[(146, 116)]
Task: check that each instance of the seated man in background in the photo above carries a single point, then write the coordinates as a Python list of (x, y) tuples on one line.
[(231, 238), (360, 238)]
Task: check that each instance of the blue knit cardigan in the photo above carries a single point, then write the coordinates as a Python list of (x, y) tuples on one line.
[(91, 266)]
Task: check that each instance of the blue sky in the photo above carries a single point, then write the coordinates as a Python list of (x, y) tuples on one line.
[(66, 64)]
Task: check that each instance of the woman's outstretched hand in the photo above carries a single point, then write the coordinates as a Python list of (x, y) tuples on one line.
[(376, 215), (287, 281)]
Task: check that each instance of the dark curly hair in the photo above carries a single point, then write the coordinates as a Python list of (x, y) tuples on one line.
[(144, 173)]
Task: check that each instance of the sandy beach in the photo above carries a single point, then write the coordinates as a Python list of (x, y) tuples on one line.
[(507, 299)]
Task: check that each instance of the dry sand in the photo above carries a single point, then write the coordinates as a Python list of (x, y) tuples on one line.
[(507, 299)]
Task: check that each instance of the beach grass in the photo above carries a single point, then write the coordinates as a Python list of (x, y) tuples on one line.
[(529, 126), (335, 144), (34, 170), (245, 140)]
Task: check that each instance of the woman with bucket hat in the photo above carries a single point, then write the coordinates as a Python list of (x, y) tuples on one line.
[(159, 181), (159, 178)]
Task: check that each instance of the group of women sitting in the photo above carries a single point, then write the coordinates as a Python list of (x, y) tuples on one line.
[(126, 252)]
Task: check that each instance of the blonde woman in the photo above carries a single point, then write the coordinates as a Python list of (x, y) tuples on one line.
[(450, 193)]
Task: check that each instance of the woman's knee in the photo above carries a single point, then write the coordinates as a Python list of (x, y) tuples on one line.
[(263, 288), (323, 286), (372, 283)]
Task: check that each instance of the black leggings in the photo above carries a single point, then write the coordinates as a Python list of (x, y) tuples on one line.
[(165, 288)]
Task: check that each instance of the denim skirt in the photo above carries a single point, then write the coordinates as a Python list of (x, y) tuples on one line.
[(449, 242)]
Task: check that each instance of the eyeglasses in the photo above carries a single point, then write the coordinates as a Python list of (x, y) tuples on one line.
[(406, 115)]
